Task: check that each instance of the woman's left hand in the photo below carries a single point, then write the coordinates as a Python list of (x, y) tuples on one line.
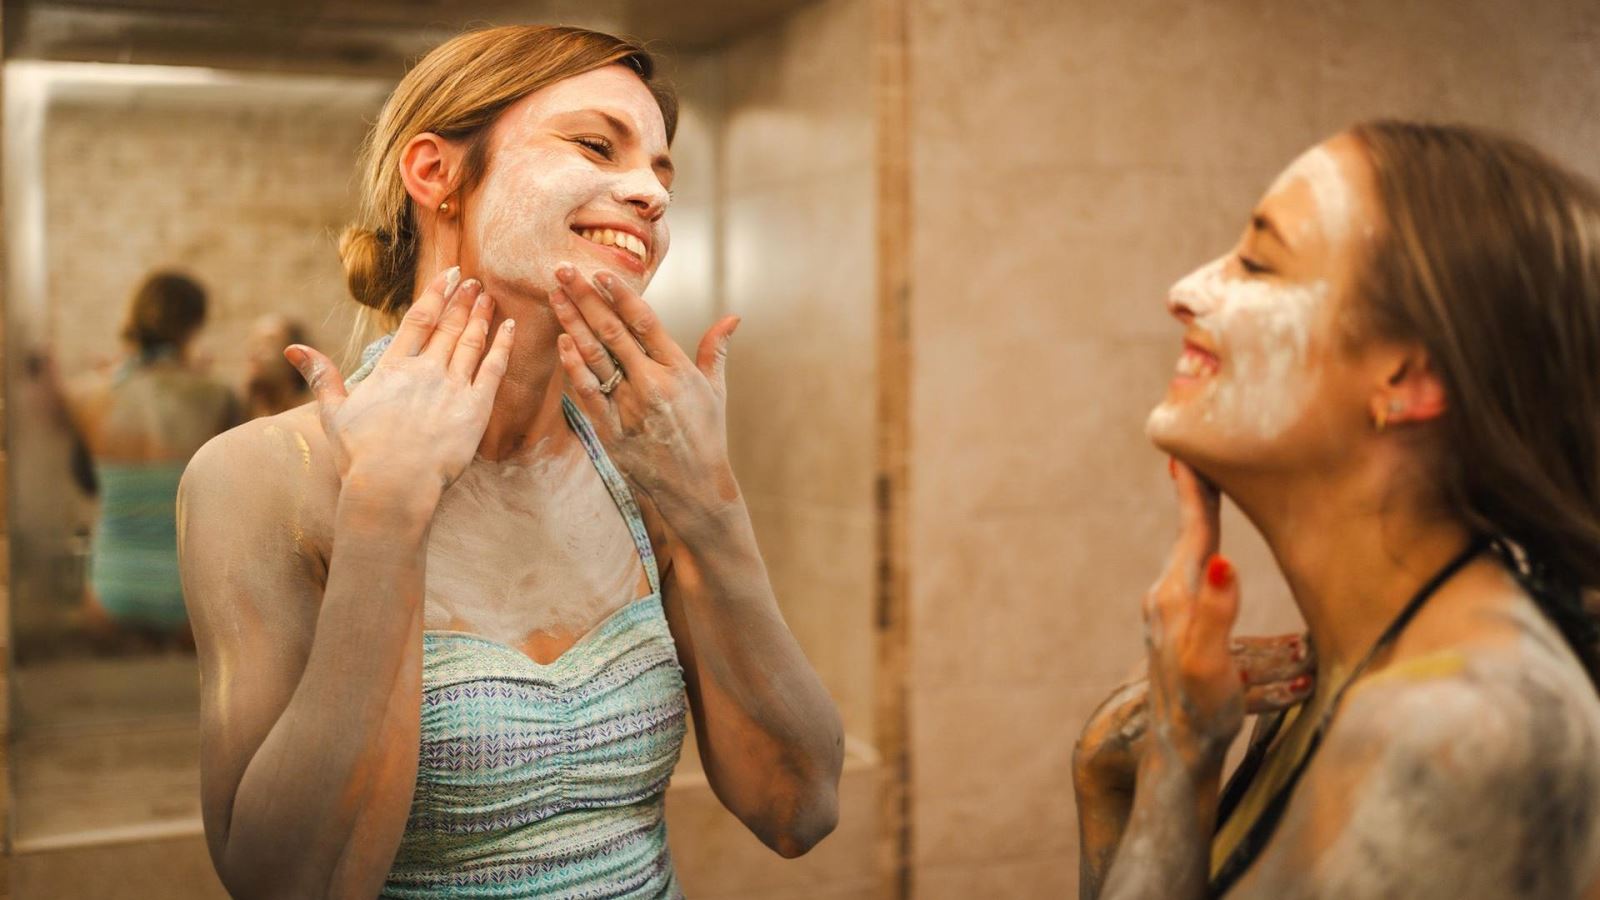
[(1197, 700), (662, 418)]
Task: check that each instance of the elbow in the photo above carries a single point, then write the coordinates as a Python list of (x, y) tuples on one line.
[(808, 820)]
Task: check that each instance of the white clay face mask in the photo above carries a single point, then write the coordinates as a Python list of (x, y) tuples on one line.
[(541, 184), (524, 212), (1262, 332), (1319, 171)]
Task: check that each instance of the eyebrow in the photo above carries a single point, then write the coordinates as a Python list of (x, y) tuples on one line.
[(662, 161), (1260, 221)]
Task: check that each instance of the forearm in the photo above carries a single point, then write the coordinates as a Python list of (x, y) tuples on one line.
[(1102, 820), (322, 804), (761, 698), (1164, 853)]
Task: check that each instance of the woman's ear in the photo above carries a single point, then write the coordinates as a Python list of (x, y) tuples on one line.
[(430, 169), (1411, 392)]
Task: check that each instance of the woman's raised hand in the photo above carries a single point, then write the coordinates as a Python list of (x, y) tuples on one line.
[(422, 412), (1197, 696), (661, 415)]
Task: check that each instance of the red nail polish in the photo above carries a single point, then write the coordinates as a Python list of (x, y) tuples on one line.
[(1300, 684), (1218, 572)]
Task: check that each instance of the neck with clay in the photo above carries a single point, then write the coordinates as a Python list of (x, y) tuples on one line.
[(527, 414), (1354, 544)]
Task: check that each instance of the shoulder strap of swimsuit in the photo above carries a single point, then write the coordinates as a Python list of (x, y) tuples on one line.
[(617, 485), (1266, 824)]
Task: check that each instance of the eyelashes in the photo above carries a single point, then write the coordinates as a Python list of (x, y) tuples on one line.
[(1251, 266), (604, 149), (597, 145)]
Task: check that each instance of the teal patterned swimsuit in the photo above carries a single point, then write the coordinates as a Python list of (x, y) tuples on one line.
[(133, 566), (540, 780)]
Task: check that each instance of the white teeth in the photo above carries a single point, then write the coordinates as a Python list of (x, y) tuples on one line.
[(619, 239), (1191, 364)]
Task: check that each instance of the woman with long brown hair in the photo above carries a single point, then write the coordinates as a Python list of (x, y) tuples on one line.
[(447, 646), (1395, 374)]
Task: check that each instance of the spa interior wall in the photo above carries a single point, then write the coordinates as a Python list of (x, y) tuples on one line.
[(795, 261), (1068, 162)]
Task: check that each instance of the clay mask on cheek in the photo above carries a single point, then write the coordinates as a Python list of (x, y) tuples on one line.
[(1263, 333), (523, 230)]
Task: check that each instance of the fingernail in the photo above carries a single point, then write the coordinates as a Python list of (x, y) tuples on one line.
[(558, 298), (1218, 571), (482, 301), (735, 326), (471, 285), (452, 277), (295, 353), (565, 272), (1300, 684), (605, 278), (509, 325)]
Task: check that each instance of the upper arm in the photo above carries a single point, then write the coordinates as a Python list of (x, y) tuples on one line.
[(252, 581), (1448, 787)]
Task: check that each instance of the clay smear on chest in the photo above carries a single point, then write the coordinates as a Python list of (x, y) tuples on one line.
[(520, 550)]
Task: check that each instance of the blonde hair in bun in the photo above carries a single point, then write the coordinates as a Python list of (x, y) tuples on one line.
[(458, 91)]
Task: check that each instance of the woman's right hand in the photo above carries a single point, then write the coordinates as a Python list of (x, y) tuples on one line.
[(422, 412), (1277, 674)]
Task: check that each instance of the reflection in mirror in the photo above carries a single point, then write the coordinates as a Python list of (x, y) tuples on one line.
[(224, 156)]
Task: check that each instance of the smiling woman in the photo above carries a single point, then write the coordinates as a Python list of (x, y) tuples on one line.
[(476, 616), (1393, 375)]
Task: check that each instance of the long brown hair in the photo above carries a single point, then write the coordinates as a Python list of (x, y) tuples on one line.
[(1490, 257), (458, 91)]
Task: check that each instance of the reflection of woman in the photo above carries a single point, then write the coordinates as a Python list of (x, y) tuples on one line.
[(140, 427), (271, 384), (1393, 375), (506, 724)]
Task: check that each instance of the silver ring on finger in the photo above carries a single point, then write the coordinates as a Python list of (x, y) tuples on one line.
[(610, 384)]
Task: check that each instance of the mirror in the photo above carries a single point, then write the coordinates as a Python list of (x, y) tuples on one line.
[(220, 143)]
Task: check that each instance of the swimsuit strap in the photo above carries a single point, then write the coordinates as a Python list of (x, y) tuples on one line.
[(617, 485), (1261, 831)]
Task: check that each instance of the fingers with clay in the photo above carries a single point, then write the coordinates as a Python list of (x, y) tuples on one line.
[(424, 407), (589, 317), (679, 402), (1197, 690)]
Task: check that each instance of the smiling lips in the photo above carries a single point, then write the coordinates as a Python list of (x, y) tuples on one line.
[(1196, 362), (622, 240)]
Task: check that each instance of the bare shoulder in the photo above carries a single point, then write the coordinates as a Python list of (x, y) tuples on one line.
[(269, 459), (256, 501), (1481, 765)]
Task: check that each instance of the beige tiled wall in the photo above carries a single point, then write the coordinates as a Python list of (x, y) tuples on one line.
[(1069, 161), (794, 259), (797, 265)]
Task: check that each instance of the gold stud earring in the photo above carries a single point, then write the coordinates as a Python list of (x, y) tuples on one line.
[(444, 207), (1392, 408)]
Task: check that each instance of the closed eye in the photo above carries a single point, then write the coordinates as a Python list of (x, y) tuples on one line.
[(597, 145), (1251, 266)]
